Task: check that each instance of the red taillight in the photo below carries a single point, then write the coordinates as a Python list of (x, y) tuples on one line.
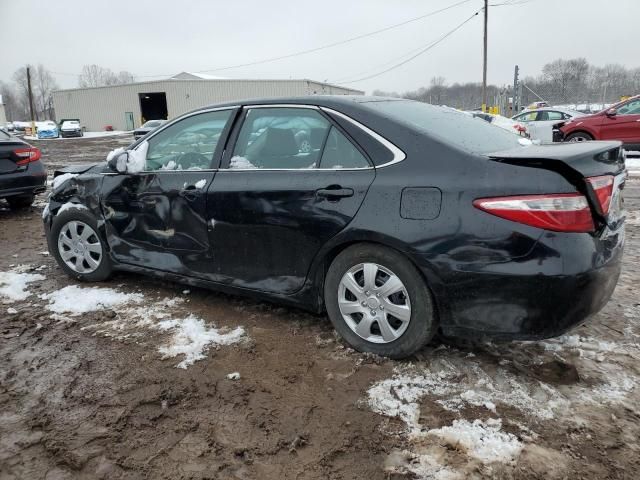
[(27, 155), (603, 188), (560, 212)]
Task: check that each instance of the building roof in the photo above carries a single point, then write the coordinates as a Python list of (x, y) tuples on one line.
[(212, 80), (196, 76)]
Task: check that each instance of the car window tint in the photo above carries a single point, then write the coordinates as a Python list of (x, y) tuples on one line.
[(631, 108), (339, 152), (527, 117), (188, 144), (550, 115), (4, 136), (449, 125), (289, 138)]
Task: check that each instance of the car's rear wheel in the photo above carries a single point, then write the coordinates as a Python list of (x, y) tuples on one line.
[(20, 202), (78, 248), (579, 137), (378, 301)]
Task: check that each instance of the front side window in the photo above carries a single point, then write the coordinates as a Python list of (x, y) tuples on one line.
[(188, 144), (527, 117), (289, 138), (550, 115), (339, 152), (631, 108)]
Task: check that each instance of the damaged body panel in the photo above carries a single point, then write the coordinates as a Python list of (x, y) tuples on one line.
[(269, 197)]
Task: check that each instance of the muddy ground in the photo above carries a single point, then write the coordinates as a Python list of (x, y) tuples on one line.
[(93, 396)]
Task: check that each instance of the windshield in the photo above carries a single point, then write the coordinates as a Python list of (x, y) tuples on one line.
[(452, 126)]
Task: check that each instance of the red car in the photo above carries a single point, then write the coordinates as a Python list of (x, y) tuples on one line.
[(619, 122)]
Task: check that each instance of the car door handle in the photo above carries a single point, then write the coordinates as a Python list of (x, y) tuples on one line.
[(189, 192), (335, 192)]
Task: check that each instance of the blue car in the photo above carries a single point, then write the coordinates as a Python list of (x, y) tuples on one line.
[(48, 130)]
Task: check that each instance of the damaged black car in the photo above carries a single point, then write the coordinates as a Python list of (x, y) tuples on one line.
[(398, 219)]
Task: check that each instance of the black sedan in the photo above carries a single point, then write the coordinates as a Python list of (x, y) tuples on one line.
[(22, 174), (397, 218), (147, 127)]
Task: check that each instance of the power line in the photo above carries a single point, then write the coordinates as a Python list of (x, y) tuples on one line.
[(420, 52), (308, 51)]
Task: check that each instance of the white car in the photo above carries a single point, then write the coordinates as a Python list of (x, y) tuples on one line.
[(503, 122), (540, 121), (71, 128)]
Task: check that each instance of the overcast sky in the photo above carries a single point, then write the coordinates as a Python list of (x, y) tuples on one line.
[(163, 37)]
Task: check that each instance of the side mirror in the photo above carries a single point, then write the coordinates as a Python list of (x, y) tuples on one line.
[(612, 112), (118, 163)]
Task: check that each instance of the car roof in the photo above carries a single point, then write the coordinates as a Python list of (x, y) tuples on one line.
[(320, 100)]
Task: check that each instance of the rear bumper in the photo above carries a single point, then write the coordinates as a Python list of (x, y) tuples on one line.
[(30, 181), (563, 281), (70, 134)]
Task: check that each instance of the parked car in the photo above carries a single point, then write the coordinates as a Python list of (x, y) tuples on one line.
[(397, 225), (502, 122), (619, 122), (147, 127), (22, 174), (47, 129), (71, 128), (7, 127), (540, 122)]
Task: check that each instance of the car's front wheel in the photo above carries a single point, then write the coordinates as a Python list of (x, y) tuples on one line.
[(378, 301), (77, 247), (579, 137)]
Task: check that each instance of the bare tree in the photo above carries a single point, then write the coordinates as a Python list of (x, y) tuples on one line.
[(12, 108), (42, 86), (97, 76)]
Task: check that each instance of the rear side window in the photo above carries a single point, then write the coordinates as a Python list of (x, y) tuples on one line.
[(4, 136), (286, 138), (448, 125), (550, 115), (339, 152)]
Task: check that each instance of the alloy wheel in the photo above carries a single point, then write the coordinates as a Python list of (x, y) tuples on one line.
[(374, 303), (79, 247)]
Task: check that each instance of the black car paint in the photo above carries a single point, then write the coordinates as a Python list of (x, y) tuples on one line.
[(489, 276), (16, 180)]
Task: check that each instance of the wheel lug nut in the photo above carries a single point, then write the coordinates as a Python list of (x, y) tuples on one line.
[(377, 294), (381, 307), (364, 304), (373, 312)]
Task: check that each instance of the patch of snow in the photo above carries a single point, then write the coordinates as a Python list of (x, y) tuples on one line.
[(171, 165), (239, 162), (233, 376), (192, 337), (45, 253), (201, 183), (484, 441), (13, 285), (71, 206), (113, 153), (45, 211), (61, 179), (77, 300), (11, 310), (138, 158)]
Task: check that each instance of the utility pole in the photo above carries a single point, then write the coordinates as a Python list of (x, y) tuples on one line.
[(30, 92), (515, 102), (484, 66)]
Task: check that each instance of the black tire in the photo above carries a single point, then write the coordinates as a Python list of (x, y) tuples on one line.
[(578, 137), (20, 202), (105, 267), (423, 322)]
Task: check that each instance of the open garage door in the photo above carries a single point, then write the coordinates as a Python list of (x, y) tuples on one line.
[(153, 106)]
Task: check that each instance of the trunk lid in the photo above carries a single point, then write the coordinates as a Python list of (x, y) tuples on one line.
[(7, 158), (578, 162)]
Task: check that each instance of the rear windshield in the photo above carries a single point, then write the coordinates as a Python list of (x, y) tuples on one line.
[(4, 135), (449, 125)]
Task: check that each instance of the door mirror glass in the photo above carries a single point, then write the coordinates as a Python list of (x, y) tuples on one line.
[(128, 161)]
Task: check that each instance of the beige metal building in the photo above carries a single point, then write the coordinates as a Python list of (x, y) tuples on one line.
[(125, 107)]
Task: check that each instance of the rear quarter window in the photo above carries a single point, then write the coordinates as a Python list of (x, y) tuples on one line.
[(448, 125)]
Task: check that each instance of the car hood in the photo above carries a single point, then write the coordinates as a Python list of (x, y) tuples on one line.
[(77, 169)]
